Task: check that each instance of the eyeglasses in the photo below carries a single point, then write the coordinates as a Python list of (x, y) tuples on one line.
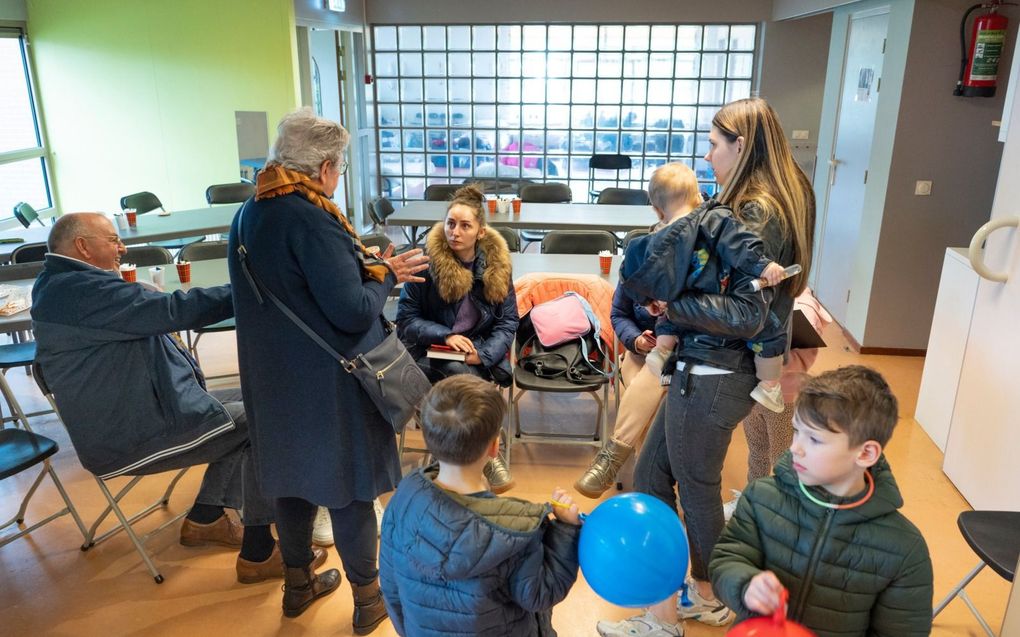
[(112, 238), (343, 167)]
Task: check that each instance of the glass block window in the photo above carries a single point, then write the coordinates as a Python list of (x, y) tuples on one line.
[(23, 171), (536, 101)]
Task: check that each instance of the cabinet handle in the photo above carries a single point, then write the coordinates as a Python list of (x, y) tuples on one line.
[(976, 254)]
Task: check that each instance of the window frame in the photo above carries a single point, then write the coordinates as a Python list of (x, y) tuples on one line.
[(513, 164), (42, 150)]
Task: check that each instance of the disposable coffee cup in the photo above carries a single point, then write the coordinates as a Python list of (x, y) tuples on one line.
[(605, 261), (184, 271), (156, 276), (516, 203), (492, 206), (504, 206), (128, 272), (121, 221), (132, 217)]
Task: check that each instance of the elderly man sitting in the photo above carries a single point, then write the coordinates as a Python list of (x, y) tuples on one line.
[(133, 399)]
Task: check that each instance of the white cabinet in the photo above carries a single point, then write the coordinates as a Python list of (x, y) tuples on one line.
[(946, 346)]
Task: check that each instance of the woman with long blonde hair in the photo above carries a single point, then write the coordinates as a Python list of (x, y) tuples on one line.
[(709, 392)]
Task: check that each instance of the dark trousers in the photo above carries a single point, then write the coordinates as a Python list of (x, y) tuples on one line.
[(355, 533), (436, 369), (686, 447), (229, 480)]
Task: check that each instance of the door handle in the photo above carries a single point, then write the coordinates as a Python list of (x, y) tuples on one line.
[(976, 253), (833, 162)]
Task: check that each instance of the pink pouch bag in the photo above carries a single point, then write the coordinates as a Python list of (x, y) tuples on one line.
[(562, 319)]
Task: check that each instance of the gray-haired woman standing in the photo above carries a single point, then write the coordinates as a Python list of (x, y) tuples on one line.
[(316, 435)]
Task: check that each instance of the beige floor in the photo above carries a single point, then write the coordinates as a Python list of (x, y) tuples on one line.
[(49, 587)]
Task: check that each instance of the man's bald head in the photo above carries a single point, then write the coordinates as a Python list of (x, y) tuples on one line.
[(87, 236), (67, 228)]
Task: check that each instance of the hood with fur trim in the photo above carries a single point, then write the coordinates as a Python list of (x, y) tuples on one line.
[(453, 281)]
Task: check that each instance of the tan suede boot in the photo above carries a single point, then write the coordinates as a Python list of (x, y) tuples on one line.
[(369, 609), (301, 587), (602, 473)]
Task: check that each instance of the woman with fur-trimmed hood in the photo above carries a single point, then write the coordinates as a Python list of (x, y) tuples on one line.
[(467, 300)]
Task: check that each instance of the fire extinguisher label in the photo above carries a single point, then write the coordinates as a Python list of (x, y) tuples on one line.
[(987, 50)]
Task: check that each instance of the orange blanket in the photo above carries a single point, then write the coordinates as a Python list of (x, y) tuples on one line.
[(539, 287)]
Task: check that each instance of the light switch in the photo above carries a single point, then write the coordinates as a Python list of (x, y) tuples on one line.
[(800, 134), (922, 187)]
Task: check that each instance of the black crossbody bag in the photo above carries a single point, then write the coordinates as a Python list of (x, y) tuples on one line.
[(387, 372)]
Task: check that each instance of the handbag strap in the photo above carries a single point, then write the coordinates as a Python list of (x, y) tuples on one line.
[(259, 288)]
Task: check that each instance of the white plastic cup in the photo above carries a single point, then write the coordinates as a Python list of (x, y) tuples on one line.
[(121, 221), (156, 276), (503, 205)]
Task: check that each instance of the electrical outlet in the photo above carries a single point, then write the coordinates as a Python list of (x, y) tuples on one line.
[(801, 134), (922, 188)]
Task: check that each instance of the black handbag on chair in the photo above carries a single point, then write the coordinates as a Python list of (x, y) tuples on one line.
[(387, 372)]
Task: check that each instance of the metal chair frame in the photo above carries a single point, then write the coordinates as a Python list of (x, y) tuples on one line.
[(19, 518), (113, 503)]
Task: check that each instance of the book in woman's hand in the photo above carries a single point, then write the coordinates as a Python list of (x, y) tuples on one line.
[(446, 352)]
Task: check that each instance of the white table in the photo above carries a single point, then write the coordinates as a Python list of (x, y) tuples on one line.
[(535, 216), (151, 227)]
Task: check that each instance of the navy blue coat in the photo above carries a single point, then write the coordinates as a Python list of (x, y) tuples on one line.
[(453, 564), (127, 392), (315, 432), (428, 310)]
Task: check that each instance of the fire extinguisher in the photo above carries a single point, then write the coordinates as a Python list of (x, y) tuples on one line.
[(979, 65)]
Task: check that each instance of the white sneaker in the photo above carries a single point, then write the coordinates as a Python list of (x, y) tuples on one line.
[(711, 612), (379, 510), (728, 508), (647, 624), (322, 530), (770, 398)]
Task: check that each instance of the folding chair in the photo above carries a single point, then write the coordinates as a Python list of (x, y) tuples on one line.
[(542, 193), (20, 450), (113, 506), (623, 197), (578, 242), (229, 193), (26, 214), (205, 251), (605, 162), (994, 537), (598, 387), (147, 256), (441, 192)]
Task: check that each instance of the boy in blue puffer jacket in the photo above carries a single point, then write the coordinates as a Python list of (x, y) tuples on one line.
[(456, 559)]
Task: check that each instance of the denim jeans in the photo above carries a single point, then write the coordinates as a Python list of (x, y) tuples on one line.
[(355, 533), (686, 447), (229, 480)]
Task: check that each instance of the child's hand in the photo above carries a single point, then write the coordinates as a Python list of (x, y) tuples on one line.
[(645, 342), (773, 273), (764, 593), (568, 513)]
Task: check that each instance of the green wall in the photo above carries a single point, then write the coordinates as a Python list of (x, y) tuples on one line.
[(141, 95)]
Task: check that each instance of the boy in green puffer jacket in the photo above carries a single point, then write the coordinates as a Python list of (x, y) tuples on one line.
[(826, 526)]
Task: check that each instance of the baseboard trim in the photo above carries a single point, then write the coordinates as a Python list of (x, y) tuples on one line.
[(892, 351)]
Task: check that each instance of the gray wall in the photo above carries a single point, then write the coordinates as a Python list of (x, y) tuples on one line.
[(951, 141), (13, 11), (795, 90)]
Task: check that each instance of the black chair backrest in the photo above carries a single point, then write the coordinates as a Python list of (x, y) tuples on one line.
[(546, 193), (145, 256), (513, 240), (142, 202), (376, 239), (229, 193), (609, 162), (203, 251), (25, 214), (441, 192), (20, 271), (633, 234), (624, 196), (29, 252), (379, 209), (578, 242)]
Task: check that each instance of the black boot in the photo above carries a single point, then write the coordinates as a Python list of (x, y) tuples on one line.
[(369, 609), (301, 587)]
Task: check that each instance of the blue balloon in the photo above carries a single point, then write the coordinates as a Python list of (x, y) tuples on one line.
[(633, 550)]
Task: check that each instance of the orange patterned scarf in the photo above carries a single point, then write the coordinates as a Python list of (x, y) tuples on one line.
[(275, 180)]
